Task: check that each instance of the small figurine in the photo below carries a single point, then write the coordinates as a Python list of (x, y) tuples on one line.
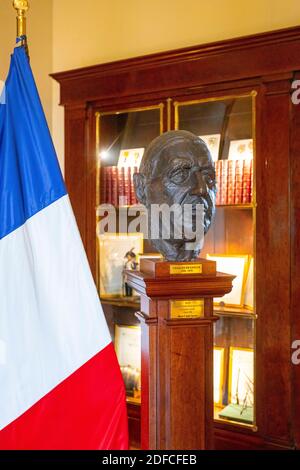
[(131, 265)]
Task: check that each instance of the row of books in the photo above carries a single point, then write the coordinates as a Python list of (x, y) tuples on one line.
[(116, 186), (234, 178)]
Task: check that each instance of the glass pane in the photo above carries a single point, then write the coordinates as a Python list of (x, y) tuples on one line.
[(227, 127), (234, 369), (121, 140)]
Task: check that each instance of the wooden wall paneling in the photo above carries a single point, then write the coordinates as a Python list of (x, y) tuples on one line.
[(265, 62), (91, 190), (295, 256), (76, 164), (234, 59), (273, 264)]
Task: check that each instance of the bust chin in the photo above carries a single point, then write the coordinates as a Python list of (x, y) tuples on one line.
[(176, 250)]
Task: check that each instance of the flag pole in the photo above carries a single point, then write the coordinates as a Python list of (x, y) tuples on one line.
[(22, 7)]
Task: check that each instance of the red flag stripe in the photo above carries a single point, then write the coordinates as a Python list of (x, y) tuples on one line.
[(84, 412)]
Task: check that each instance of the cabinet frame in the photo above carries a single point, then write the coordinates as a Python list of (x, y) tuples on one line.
[(267, 63)]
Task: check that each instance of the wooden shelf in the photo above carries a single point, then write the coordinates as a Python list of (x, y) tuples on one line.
[(121, 301), (225, 206), (236, 206), (234, 311)]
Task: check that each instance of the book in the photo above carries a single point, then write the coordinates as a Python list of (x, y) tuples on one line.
[(218, 179), (128, 185), (114, 186), (121, 186), (133, 199), (108, 185), (231, 182), (238, 195), (224, 181), (246, 192), (103, 183)]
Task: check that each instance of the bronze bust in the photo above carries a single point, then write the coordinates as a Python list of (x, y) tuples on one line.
[(177, 169)]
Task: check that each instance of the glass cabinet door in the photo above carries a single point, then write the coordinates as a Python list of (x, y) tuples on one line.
[(227, 125), (121, 138)]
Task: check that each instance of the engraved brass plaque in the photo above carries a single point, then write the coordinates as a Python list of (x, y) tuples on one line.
[(187, 308), (186, 268)]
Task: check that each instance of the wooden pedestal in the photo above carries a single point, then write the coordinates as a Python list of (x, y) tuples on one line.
[(177, 351)]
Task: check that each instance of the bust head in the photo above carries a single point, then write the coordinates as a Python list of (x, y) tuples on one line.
[(177, 168)]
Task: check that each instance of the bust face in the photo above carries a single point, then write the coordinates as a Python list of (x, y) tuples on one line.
[(177, 168)]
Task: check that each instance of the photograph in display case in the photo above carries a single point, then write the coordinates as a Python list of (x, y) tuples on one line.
[(213, 143), (113, 259), (128, 350), (240, 386), (130, 158), (218, 374), (237, 265), (241, 149), (249, 287)]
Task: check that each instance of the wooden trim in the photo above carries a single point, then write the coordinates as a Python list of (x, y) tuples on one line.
[(218, 62), (187, 53), (266, 63)]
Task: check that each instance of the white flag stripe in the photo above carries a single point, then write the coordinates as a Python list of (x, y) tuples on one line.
[(48, 327)]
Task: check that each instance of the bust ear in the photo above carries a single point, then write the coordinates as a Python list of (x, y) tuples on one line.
[(139, 182)]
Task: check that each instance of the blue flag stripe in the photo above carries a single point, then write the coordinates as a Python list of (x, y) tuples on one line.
[(30, 176)]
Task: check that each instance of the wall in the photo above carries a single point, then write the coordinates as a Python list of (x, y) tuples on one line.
[(40, 29), (66, 34), (95, 31)]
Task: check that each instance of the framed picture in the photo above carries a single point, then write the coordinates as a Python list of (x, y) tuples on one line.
[(218, 374), (112, 250), (241, 149), (241, 377), (236, 265), (128, 350), (249, 287), (131, 158), (213, 143)]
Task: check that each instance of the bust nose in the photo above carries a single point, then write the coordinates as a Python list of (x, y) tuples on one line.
[(199, 186)]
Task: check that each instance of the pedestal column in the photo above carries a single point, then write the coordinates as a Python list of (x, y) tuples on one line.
[(177, 351)]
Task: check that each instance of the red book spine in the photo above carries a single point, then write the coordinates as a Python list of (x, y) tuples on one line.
[(109, 185), (246, 194), (231, 182), (133, 199), (238, 181), (121, 185), (224, 181), (218, 179), (103, 182), (128, 185), (114, 186)]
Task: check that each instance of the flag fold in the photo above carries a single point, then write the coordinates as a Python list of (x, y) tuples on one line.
[(60, 383)]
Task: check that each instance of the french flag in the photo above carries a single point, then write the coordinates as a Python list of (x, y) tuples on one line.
[(60, 382)]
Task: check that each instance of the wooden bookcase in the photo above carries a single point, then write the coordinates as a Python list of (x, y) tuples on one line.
[(240, 89)]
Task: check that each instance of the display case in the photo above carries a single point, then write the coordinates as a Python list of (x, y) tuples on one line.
[(227, 125), (235, 95), (121, 138)]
